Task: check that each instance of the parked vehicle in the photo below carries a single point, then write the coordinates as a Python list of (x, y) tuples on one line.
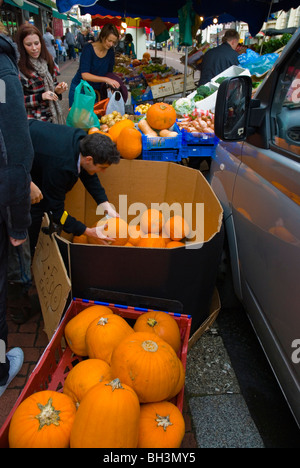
[(256, 176), (152, 45)]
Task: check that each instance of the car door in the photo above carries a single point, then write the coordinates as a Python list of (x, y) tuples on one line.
[(266, 216)]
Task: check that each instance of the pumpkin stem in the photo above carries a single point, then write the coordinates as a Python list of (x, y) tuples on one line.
[(163, 421), (115, 384), (149, 345), (151, 322), (163, 106), (48, 415), (102, 321)]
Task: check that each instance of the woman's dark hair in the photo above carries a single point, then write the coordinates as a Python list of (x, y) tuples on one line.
[(25, 66), (128, 38), (108, 29), (102, 149)]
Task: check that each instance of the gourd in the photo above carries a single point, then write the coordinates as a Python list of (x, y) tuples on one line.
[(160, 324), (129, 143), (152, 240), (152, 221), (108, 417), (168, 134), (42, 420), (115, 130), (176, 228), (145, 128), (116, 228), (76, 328), (148, 364), (180, 382), (161, 116), (161, 426), (135, 233), (83, 239), (104, 334), (84, 376), (174, 244)]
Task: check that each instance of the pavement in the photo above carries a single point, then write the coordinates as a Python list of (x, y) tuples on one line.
[(215, 411)]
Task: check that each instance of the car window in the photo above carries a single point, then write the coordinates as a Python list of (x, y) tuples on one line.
[(286, 107)]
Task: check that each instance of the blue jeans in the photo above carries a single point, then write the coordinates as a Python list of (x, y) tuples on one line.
[(19, 264), (4, 367)]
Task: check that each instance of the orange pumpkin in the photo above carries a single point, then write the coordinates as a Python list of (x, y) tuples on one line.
[(161, 324), (174, 244), (134, 231), (152, 241), (115, 130), (161, 116), (42, 420), (129, 143), (148, 364), (180, 382), (176, 228), (161, 426), (83, 239), (108, 417), (117, 229), (76, 328), (104, 334), (152, 221), (84, 376)]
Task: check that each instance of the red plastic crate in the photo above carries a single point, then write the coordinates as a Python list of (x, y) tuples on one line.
[(58, 359)]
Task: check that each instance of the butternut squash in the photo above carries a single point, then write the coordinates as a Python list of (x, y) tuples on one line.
[(146, 129), (167, 134)]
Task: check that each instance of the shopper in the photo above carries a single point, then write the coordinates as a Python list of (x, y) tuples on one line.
[(70, 40), (16, 155), (220, 58), (97, 60), (50, 42), (129, 46), (38, 72), (62, 155)]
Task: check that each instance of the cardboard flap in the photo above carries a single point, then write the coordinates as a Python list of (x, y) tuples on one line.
[(51, 279)]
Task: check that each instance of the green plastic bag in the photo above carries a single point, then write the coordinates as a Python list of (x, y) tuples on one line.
[(81, 114)]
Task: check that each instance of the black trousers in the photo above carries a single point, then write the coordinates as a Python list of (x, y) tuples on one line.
[(4, 367)]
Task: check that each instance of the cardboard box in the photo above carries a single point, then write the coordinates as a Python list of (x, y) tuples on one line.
[(178, 83), (176, 280), (162, 89)]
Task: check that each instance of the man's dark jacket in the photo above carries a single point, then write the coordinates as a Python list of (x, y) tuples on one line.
[(217, 60), (16, 152), (55, 170)]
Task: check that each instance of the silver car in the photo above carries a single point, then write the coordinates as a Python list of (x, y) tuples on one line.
[(256, 176)]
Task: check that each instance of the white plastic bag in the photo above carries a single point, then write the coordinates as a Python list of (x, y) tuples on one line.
[(115, 103)]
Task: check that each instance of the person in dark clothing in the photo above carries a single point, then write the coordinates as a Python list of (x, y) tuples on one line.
[(16, 155), (129, 46), (62, 155), (220, 58)]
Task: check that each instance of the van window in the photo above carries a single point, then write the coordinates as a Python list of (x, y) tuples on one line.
[(286, 107)]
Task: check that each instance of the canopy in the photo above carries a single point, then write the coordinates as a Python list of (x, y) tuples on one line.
[(253, 12)]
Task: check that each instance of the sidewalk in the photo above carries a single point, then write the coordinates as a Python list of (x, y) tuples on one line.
[(31, 336)]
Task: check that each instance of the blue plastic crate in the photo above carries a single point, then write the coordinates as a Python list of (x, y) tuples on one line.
[(194, 138), (189, 151), (157, 143), (171, 155)]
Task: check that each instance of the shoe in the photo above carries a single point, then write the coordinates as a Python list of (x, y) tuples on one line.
[(16, 359), (21, 303)]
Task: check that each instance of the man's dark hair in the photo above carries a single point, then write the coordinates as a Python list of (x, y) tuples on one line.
[(229, 35), (102, 149)]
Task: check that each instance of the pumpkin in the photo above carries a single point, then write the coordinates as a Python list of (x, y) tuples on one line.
[(129, 143), (134, 231), (108, 417), (104, 334), (116, 228), (84, 376), (152, 221), (161, 426), (42, 420), (176, 228), (161, 324), (174, 244), (115, 130), (180, 382), (152, 241), (148, 364), (83, 239), (76, 328), (161, 116)]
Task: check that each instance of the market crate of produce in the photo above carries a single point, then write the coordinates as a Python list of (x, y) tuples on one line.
[(58, 360), (171, 155), (198, 138), (158, 143), (203, 151)]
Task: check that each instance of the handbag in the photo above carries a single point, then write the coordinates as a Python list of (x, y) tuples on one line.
[(115, 103), (81, 114)]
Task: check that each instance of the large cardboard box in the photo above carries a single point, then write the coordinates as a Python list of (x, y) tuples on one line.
[(177, 280)]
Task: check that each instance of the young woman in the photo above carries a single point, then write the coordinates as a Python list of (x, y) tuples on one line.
[(97, 60), (38, 73)]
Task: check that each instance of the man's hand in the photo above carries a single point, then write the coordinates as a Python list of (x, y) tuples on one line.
[(16, 242), (107, 209), (99, 234), (35, 194)]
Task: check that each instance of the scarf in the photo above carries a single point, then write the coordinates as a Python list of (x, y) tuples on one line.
[(41, 68)]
